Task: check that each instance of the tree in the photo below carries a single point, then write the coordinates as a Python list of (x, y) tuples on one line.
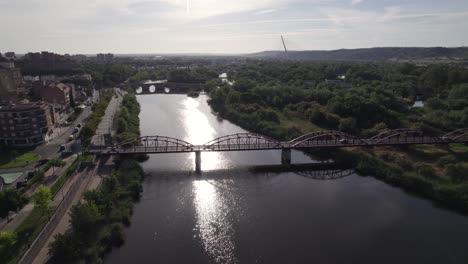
[(42, 197), (56, 163), (85, 220), (63, 249), (347, 125), (457, 172), (7, 240), (11, 200)]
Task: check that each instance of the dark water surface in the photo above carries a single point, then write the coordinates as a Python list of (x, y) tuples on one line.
[(232, 215)]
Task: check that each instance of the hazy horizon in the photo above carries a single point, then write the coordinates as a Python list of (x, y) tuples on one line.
[(228, 27)]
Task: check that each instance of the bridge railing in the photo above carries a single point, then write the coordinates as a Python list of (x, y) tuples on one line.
[(252, 141)]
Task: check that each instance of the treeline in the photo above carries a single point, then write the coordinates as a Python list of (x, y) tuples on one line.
[(107, 74), (97, 223), (98, 111), (451, 188), (287, 99), (381, 96), (199, 75), (128, 122)]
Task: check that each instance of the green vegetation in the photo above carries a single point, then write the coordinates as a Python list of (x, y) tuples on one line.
[(55, 163), (61, 180), (11, 200), (97, 223), (7, 240), (108, 74), (128, 122), (42, 198), (99, 109), (284, 99), (175, 74), (13, 159), (25, 234)]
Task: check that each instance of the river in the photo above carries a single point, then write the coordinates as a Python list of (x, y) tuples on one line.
[(229, 214)]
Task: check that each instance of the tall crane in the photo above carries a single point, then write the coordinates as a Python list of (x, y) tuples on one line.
[(284, 44)]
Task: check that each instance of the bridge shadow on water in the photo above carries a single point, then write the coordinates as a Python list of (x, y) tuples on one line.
[(314, 171)]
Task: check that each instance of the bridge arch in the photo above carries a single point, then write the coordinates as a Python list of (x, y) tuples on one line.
[(153, 144), (457, 134), (326, 138), (242, 141), (398, 136), (331, 174)]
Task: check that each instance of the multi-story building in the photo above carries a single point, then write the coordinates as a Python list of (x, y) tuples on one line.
[(10, 55), (10, 78), (25, 124), (105, 57), (55, 93)]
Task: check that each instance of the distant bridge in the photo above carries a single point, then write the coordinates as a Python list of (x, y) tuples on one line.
[(251, 142), (165, 87)]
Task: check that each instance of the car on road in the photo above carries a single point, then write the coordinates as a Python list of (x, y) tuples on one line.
[(30, 175), (79, 125), (76, 130), (21, 184), (62, 147), (71, 137), (42, 162)]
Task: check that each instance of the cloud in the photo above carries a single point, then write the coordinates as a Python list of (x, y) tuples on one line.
[(266, 11), (223, 25)]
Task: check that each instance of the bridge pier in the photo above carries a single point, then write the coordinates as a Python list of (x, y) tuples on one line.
[(198, 161), (286, 156)]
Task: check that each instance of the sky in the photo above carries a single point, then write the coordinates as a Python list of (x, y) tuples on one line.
[(227, 26)]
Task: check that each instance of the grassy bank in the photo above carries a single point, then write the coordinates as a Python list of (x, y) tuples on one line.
[(14, 159)]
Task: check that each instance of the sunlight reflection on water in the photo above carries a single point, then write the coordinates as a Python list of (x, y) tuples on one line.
[(214, 227), (199, 131)]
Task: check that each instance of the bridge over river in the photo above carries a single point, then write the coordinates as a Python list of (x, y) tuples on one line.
[(166, 87), (256, 142)]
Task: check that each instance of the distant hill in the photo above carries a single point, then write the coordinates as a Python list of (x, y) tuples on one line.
[(372, 54)]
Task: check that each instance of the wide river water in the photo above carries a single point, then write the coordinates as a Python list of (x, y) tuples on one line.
[(229, 214)]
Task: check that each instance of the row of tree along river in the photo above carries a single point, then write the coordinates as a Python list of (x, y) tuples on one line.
[(233, 214)]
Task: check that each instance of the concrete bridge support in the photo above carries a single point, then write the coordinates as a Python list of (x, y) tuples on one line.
[(286, 156), (198, 161)]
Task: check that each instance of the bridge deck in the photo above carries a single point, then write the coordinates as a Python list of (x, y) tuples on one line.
[(155, 149)]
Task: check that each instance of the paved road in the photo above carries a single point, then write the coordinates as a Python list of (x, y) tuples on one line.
[(105, 127)]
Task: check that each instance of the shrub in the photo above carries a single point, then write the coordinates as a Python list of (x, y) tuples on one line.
[(446, 160), (425, 170), (457, 172)]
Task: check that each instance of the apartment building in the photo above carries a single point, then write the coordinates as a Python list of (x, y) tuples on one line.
[(25, 124)]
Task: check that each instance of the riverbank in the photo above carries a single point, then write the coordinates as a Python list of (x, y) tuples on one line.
[(97, 223), (399, 166)]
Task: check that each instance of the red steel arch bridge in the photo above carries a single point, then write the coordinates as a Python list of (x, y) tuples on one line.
[(251, 142)]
